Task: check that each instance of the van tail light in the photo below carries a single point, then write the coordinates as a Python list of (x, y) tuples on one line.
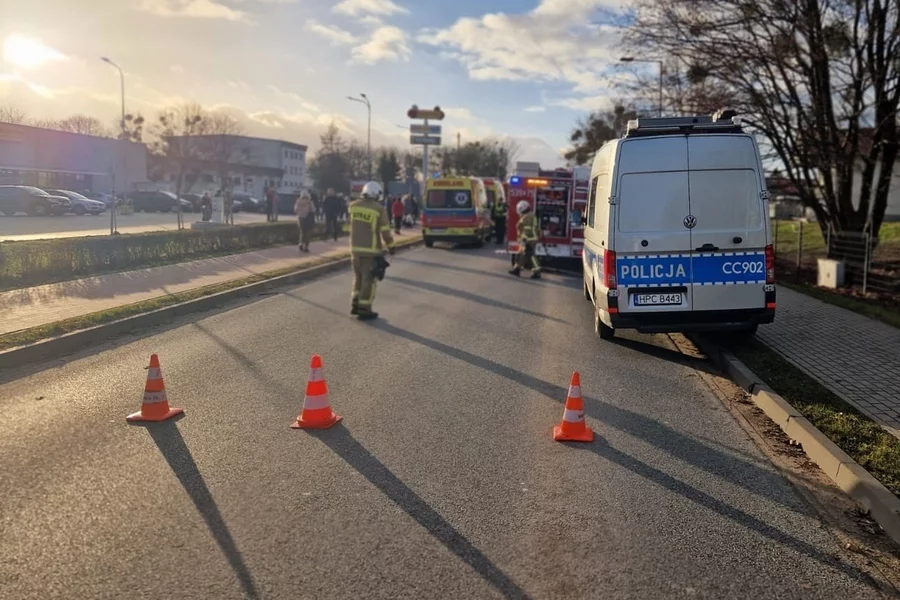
[(770, 264), (609, 269)]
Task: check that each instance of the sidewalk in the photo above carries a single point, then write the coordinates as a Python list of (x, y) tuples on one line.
[(31, 307), (854, 356)]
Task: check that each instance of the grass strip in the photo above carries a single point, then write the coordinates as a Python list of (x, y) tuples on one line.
[(50, 330), (876, 450), (885, 314)]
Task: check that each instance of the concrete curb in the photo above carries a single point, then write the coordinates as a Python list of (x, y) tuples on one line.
[(846, 473), (71, 342)]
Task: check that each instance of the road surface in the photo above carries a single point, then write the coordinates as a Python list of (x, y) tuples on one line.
[(35, 228), (441, 482)]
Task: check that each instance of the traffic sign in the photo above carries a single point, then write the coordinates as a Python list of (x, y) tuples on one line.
[(416, 113), (424, 140), (425, 130)]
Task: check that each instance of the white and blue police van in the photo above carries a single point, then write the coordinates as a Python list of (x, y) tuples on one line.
[(677, 235)]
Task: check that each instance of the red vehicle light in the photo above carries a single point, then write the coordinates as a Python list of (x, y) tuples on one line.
[(770, 264), (609, 269)]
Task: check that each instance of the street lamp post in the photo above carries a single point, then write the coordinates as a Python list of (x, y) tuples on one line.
[(631, 59), (365, 100), (113, 224)]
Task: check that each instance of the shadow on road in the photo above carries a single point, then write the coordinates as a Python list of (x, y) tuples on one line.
[(449, 291), (173, 448), (500, 273), (342, 443), (673, 356), (605, 451)]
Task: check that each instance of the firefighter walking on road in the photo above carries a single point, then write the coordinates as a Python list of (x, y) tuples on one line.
[(527, 230), (499, 216), (368, 226)]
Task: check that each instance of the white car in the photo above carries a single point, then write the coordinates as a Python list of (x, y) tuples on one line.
[(81, 205)]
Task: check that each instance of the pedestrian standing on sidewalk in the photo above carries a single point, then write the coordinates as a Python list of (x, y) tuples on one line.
[(306, 219), (397, 213), (332, 205)]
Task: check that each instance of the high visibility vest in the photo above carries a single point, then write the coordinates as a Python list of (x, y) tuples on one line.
[(368, 223), (499, 209), (528, 228)]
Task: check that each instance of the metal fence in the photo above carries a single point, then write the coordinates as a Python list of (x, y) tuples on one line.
[(871, 265)]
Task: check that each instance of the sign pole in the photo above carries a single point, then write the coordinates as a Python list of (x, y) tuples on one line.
[(424, 161)]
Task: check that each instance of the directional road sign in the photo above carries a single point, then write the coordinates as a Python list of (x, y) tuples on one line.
[(425, 130), (424, 140)]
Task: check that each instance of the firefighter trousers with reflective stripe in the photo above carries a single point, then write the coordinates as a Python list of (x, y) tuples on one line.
[(364, 283), (527, 259)]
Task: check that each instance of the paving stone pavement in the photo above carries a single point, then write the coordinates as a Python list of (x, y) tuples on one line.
[(854, 356)]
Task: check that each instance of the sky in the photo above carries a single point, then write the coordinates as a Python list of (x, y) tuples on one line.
[(525, 69)]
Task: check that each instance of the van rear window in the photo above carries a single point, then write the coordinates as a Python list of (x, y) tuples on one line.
[(652, 202), (726, 199), (449, 199)]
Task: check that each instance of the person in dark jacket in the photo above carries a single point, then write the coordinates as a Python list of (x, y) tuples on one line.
[(332, 206)]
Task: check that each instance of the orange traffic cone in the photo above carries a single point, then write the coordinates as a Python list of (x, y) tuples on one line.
[(572, 428), (155, 406), (317, 412)]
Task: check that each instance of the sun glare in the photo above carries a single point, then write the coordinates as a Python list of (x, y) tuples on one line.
[(28, 53)]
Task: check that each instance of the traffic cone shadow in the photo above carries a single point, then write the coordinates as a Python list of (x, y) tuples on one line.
[(573, 427), (316, 413), (155, 405)]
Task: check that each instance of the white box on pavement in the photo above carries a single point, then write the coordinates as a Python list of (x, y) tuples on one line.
[(831, 273)]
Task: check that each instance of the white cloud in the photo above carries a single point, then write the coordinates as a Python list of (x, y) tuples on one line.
[(335, 35), (28, 53), (200, 9), (386, 43), (356, 8), (296, 98), (535, 109), (586, 103), (460, 114), (570, 41)]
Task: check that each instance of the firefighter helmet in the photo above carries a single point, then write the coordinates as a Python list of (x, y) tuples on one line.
[(371, 190), (522, 207)]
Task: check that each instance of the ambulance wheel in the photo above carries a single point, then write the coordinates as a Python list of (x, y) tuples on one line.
[(429, 243), (587, 294), (605, 333)]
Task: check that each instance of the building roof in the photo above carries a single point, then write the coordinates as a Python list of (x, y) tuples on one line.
[(291, 145)]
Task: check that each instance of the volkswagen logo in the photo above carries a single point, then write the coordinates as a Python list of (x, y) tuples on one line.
[(690, 221)]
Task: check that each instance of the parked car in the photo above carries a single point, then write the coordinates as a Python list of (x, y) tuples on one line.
[(107, 199), (196, 201), (31, 200), (80, 204), (157, 201), (247, 203)]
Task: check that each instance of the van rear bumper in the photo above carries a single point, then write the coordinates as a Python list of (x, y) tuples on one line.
[(691, 321)]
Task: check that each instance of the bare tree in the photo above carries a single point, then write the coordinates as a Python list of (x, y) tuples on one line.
[(177, 147), (819, 79), (134, 128), (82, 124), (12, 115)]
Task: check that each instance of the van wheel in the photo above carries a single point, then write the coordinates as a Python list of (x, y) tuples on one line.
[(605, 333), (747, 333)]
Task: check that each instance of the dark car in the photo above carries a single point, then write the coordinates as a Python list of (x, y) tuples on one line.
[(247, 203), (81, 205), (31, 200), (156, 201), (196, 200)]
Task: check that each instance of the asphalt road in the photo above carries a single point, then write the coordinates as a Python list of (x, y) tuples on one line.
[(21, 227), (441, 482)]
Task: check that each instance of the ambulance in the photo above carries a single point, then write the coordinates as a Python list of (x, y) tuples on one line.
[(558, 199), (456, 210), (677, 234)]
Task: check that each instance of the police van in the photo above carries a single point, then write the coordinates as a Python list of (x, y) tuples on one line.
[(677, 235)]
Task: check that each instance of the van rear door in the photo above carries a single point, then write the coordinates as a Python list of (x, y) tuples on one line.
[(730, 230), (652, 243)]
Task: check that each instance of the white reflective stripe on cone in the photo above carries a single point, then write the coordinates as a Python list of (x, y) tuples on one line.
[(316, 375), (154, 373), (155, 397), (574, 391), (316, 402), (573, 416)]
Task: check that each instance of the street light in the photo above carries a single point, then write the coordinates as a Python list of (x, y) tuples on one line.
[(113, 225), (631, 59), (365, 100)]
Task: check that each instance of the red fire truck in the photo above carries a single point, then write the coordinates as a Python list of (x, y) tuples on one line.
[(558, 199)]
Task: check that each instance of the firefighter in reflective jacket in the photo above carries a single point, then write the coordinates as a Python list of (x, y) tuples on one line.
[(527, 229), (368, 225), (499, 215)]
